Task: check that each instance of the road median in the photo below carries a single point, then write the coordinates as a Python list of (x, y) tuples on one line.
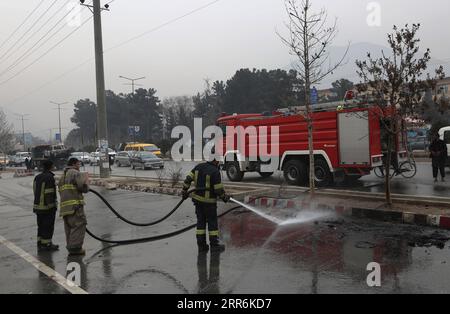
[(408, 209)]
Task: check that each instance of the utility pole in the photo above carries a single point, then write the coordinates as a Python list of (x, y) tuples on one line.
[(102, 127), (59, 117), (132, 82), (22, 118)]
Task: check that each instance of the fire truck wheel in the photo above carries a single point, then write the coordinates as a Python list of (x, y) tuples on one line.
[(295, 172), (265, 174), (234, 172), (322, 173)]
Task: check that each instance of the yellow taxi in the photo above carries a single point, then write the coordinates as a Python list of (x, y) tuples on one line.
[(141, 147)]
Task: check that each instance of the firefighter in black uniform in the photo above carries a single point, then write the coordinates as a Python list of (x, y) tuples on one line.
[(206, 176), (45, 206)]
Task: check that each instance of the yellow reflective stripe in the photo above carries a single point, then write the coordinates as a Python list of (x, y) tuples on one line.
[(66, 187), (208, 186), (72, 203), (48, 191), (214, 233), (218, 186), (191, 175), (44, 207), (46, 241), (195, 177), (204, 199), (201, 232)]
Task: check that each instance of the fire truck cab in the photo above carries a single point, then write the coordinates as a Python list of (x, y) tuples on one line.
[(348, 141)]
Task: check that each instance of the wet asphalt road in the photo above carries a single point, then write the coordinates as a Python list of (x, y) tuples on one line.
[(325, 255), (421, 184)]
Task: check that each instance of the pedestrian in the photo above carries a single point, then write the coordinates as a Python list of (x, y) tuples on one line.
[(438, 154), (45, 207), (207, 180), (72, 185), (27, 162)]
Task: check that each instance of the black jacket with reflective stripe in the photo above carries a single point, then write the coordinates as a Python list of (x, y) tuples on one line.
[(205, 176), (44, 188)]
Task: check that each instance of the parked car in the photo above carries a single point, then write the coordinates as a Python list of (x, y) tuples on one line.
[(4, 161), (94, 159), (123, 159), (18, 160), (81, 156), (419, 143), (111, 152), (146, 160)]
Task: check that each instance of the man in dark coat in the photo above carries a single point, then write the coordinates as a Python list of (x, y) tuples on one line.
[(438, 154)]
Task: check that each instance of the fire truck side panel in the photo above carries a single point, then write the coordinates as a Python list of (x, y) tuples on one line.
[(293, 136), (354, 139)]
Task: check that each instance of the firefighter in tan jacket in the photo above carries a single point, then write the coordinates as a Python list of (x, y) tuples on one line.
[(71, 186)]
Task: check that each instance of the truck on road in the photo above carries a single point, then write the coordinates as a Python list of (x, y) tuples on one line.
[(59, 154), (348, 142)]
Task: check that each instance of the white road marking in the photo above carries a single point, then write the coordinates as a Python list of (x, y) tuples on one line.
[(53, 275)]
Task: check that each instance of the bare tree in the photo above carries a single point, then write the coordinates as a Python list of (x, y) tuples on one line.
[(309, 40), (161, 175), (175, 175), (6, 134), (397, 82)]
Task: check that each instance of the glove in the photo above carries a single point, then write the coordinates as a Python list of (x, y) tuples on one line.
[(226, 198), (185, 194)]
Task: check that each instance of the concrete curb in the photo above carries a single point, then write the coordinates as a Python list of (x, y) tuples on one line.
[(437, 221)]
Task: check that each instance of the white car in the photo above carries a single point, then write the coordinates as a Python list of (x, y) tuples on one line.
[(18, 159), (94, 159), (111, 152), (82, 156)]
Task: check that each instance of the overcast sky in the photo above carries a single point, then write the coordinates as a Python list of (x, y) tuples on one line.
[(211, 43)]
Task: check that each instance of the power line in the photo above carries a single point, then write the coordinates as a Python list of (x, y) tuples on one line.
[(30, 50), (37, 31), (162, 25), (73, 69), (24, 21), (46, 53), (29, 29)]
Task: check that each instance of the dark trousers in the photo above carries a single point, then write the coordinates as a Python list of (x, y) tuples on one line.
[(46, 226), (438, 166), (207, 218)]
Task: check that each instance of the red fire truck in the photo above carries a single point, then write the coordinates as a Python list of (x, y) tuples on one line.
[(348, 142)]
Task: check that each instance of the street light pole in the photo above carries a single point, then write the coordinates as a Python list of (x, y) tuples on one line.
[(22, 118), (132, 81), (59, 118)]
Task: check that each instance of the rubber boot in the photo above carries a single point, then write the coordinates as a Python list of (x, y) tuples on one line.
[(216, 246), (201, 243), (48, 247)]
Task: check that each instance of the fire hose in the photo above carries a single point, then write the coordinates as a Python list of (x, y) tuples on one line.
[(152, 238)]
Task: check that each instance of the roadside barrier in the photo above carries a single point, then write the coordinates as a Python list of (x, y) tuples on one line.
[(23, 173)]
